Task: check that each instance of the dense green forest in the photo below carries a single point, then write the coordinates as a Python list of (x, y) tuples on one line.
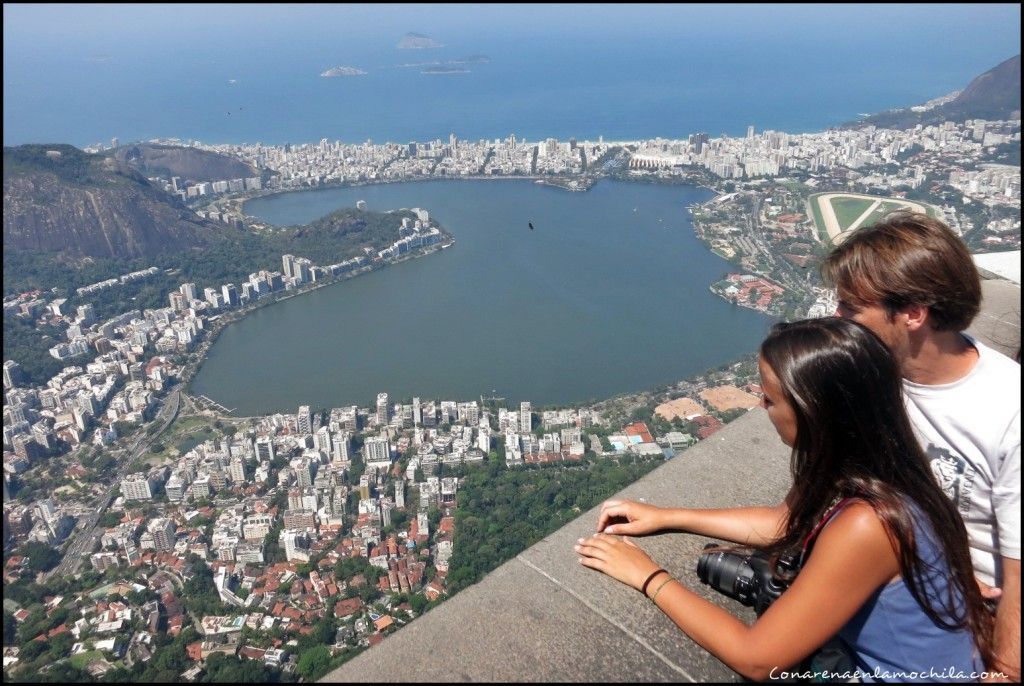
[(337, 237), (502, 512)]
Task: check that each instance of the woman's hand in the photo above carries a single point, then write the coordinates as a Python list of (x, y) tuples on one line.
[(629, 518), (617, 557)]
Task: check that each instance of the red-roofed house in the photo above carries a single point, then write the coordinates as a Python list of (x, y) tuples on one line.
[(433, 590), (708, 425), (252, 652), (344, 608)]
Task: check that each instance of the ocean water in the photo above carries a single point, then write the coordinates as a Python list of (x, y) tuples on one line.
[(220, 74)]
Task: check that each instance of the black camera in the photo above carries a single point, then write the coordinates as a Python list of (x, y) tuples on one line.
[(746, 577)]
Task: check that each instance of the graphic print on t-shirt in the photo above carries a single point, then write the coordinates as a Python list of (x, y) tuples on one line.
[(954, 474)]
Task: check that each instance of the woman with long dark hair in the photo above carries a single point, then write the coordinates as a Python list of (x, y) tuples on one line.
[(888, 570)]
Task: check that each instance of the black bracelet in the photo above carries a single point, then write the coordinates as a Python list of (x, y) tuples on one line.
[(656, 572)]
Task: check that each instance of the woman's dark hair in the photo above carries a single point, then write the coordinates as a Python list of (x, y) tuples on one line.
[(854, 439)]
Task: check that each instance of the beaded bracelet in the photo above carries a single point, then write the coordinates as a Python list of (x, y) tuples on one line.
[(656, 572), (658, 590)]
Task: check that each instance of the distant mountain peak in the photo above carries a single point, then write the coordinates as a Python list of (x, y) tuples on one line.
[(993, 95)]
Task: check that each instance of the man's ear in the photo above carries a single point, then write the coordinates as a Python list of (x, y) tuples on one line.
[(917, 317)]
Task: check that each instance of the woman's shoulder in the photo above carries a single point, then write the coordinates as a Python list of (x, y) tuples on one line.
[(856, 546), (856, 523)]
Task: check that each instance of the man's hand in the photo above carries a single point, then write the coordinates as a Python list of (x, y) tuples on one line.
[(988, 592)]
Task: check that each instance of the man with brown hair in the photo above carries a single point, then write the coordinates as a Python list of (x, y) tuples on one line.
[(912, 281)]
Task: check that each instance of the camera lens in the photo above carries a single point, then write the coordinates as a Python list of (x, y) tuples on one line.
[(727, 572)]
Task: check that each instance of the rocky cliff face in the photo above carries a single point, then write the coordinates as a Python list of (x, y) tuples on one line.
[(58, 199), (189, 163)]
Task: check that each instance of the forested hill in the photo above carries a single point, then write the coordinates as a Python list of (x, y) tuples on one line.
[(63, 201), (993, 95)]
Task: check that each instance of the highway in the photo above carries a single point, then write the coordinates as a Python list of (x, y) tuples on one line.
[(83, 540)]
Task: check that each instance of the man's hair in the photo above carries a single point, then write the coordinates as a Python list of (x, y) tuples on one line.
[(908, 259)]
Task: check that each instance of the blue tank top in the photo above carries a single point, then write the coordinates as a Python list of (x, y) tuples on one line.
[(894, 640)]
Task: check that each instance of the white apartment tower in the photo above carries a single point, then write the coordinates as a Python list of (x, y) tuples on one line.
[(264, 448), (340, 447), (304, 420), (322, 440), (525, 416), (236, 470), (137, 487), (382, 409), (376, 450), (190, 291)]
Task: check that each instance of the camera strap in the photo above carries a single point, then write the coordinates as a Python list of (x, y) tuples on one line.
[(836, 507)]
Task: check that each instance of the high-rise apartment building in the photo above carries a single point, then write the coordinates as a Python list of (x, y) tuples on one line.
[(341, 447), (255, 527), (162, 530), (230, 295), (304, 471), (177, 301), (322, 440), (12, 374), (469, 413), (296, 545), (137, 487), (300, 519), (303, 499), (525, 417), (382, 409), (236, 470), (264, 448), (190, 291), (304, 420), (377, 451)]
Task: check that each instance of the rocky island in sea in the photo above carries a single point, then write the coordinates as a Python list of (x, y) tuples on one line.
[(342, 71), (414, 41)]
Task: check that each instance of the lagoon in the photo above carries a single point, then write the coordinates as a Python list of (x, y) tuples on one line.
[(609, 294)]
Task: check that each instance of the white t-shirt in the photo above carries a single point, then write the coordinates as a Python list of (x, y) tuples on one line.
[(970, 432)]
